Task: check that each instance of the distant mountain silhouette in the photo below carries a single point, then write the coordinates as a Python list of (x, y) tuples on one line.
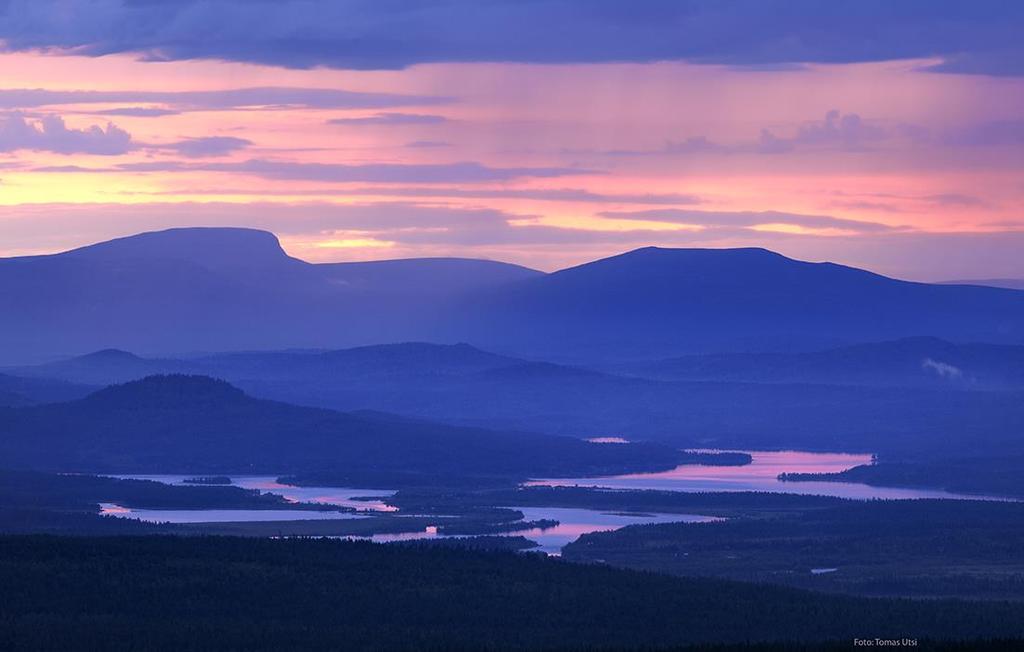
[(99, 368), (221, 249), (358, 364), (888, 397), (188, 290), (195, 424), (1008, 283), (221, 289), (16, 391), (655, 300), (541, 371), (909, 362), (12, 399)]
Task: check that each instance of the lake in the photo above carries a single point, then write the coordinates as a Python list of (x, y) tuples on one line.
[(573, 523), (343, 496), (762, 475), (220, 515)]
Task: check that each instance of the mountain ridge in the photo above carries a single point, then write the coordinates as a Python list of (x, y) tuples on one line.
[(913, 361), (216, 247), (202, 289), (863, 399), (1006, 283), (197, 424), (652, 300), (218, 289)]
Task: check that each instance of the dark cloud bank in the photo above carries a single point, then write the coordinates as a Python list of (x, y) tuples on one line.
[(971, 36)]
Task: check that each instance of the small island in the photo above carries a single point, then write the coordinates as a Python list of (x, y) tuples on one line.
[(716, 458), (208, 480)]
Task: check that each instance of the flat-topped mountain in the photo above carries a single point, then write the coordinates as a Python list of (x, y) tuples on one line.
[(221, 289), (213, 248), (188, 290)]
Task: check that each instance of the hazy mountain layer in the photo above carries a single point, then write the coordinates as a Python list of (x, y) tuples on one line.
[(899, 409), (189, 424), (187, 290), (910, 362)]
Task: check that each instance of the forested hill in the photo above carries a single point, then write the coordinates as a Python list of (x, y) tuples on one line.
[(193, 424)]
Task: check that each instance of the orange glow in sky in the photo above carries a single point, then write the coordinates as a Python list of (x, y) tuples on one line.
[(545, 165)]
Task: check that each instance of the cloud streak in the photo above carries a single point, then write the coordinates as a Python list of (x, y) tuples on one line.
[(747, 219), (392, 119), (841, 132), (461, 172), (51, 134), (138, 112), (207, 146), (216, 100), (836, 131), (574, 195)]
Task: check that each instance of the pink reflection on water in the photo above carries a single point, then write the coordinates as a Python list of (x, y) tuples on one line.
[(761, 475), (221, 515), (341, 496), (574, 523), (110, 509), (344, 496), (766, 465), (429, 532)]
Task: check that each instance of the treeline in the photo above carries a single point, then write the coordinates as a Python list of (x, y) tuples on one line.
[(928, 548), (31, 489), (726, 503), (33, 502), (14, 520), (993, 475), (415, 480), (183, 594)]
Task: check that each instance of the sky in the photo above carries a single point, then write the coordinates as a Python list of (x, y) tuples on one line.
[(543, 132)]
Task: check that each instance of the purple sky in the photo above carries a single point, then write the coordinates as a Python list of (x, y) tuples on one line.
[(880, 134)]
